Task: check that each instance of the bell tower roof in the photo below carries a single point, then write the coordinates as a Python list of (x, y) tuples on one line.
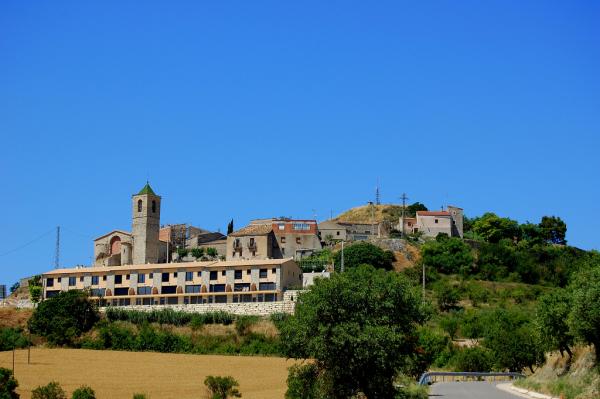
[(146, 190)]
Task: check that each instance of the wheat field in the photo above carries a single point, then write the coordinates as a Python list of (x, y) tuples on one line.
[(115, 375)]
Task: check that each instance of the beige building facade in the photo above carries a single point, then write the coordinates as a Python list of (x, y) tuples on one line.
[(179, 283)]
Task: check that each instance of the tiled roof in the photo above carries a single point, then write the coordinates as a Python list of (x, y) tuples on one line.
[(253, 230), (146, 190), (433, 213)]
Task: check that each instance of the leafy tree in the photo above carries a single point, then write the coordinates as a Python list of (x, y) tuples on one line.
[(182, 252), (360, 327), (494, 228), (411, 210), (513, 341), (447, 255), (212, 252), (553, 230), (447, 296), (8, 384), (63, 318), (450, 324), (584, 318), (84, 392), (531, 233), (51, 391), (12, 338), (35, 293), (432, 347), (551, 320), (365, 253), (303, 382), (222, 387), (198, 252), (230, 227)]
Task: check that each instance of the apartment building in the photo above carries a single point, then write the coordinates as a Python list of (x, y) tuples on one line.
[(179, 283)]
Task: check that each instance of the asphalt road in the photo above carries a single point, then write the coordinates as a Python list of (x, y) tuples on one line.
[(467, 390)]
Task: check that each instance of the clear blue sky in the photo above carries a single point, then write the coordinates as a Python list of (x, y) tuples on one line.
[(258, 109)]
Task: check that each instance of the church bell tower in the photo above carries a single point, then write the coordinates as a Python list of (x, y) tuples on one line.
[(146, 224)]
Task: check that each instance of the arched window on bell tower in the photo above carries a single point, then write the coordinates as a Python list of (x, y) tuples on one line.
[(139, 205), (153, 206)]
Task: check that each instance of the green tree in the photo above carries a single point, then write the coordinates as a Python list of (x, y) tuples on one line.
[(584, 319), (35, 293), (198, 252), (222, 387), (8, 384), (447, 255), (450, 324), (472, 359), (551, 320), (303, 382), (230, 227), (446, 295), (51, 391), (513, 340), (212, 252), (365, 253), (411, 210), (15, 287), (553, 230), (84, 392), (360, 327), (493, 228), (63, 318)]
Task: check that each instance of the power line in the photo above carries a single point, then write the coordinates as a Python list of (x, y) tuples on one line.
[(28, 243)]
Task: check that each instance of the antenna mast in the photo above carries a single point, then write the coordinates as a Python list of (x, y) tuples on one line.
[(57, 253), (377, 194)]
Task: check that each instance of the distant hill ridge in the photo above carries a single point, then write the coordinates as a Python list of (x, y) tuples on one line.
[(371, 213)]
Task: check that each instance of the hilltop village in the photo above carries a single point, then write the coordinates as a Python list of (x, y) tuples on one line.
[(179, 264)]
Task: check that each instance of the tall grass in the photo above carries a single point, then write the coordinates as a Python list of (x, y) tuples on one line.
[(169, 316)]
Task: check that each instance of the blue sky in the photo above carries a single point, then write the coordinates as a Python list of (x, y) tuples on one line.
[(258, 109)]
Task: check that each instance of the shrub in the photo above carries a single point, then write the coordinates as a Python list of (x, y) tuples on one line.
[(12, 338), (139, 396), (364, 253), (222, 387), (169, 316), (243, 324), (303, 382), (182, 252), (447, 296), (198, 252), (8, 384), (84, 392), (63, 318), (50, 391), (472, 359), (212, 252), (450, 324), (447, 255)]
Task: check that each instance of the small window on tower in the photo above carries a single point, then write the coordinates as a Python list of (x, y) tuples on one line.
[(139, 205), (153, 206)]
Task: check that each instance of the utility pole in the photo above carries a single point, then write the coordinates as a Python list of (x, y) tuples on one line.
[(342, 263), (423, 280), (57, 253), (403, 198)]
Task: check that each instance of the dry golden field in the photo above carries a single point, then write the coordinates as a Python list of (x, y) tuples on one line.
[(115, 375)]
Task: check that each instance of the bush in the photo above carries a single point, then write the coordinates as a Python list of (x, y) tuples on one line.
[(12, 338), (198, 252), (222, 387), (63, 318), (472, 359), (212, 252), (450, 324), (448, 255), (169, 316), (303, 382), (364, 253), (50, 391), (84, 392), (243, 324), (446, 295), (8, 384), (139, 396)]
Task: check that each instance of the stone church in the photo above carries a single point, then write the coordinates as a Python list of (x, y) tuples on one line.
[(142, 245)]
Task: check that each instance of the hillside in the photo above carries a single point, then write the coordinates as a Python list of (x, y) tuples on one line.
[(371, 213)]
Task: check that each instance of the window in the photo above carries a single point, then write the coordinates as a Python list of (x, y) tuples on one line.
[(266, 286), (337, 233), (247, 272), (189, 276), (283, 240), (95, 280), (144, 290), (270, 297), (252, 242), (192, 289), (153, 206), (59, 279), (238, 274), (121, 291), (199, 274), (72, 281), (436, 220), (283, 250), (300, 226), (118, 279), (104, 278), (49, 282), (217, 288), (263, 273), (175, 274), (81, 279), (168, 289), (141, 278), (241, 287), (220, 299), (298, 240), (151, 275), (274, 270), (127, 277), (97, 291), (165, 277), (213, 275), (281, 226), (139, 205), (223, 273)]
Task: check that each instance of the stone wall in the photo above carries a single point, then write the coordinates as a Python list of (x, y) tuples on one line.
[(287, 305)]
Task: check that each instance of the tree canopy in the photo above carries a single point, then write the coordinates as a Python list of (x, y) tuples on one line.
[(360, 329), (364, 253), (493, 228), (584, 319), (551, 320), (447, 255)]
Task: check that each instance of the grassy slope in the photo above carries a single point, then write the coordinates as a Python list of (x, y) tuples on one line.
[(369, 213), (577, 380)]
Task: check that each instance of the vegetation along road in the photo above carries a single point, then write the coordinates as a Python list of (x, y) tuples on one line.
[(468, 390)]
